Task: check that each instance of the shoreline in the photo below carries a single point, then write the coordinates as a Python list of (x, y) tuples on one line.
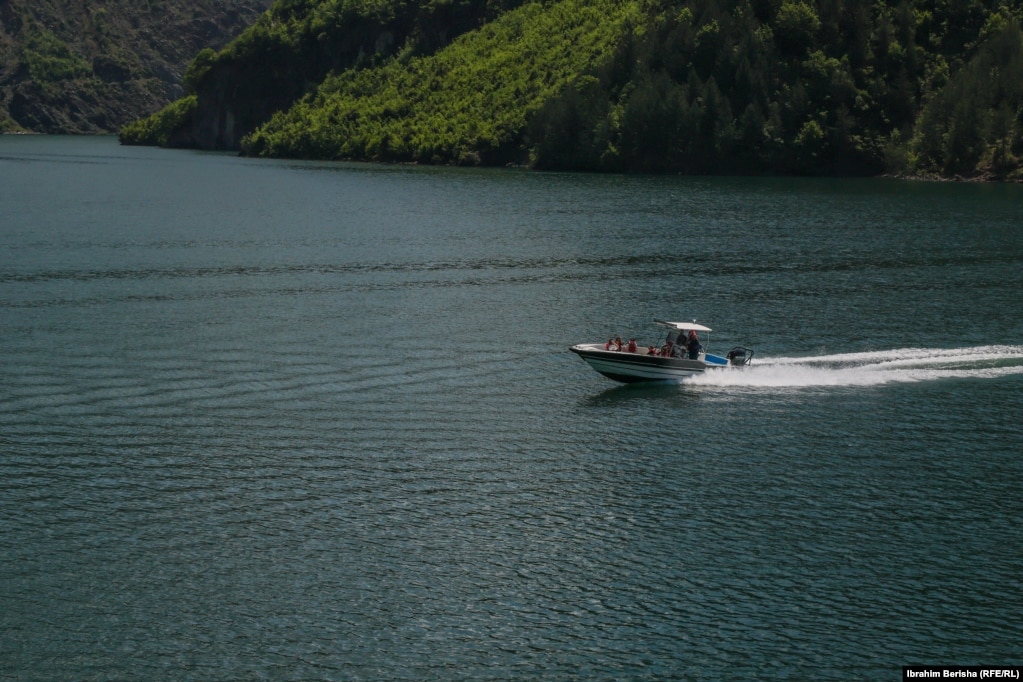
[(982, 179)]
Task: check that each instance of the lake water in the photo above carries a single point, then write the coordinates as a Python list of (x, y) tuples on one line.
[(289, 420)]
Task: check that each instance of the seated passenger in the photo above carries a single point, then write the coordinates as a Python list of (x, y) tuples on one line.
[(632, 345)]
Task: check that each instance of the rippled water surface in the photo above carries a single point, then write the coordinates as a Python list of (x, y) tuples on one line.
[(288, 420)]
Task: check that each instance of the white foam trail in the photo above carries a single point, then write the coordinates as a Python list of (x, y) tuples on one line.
[(872, 368)]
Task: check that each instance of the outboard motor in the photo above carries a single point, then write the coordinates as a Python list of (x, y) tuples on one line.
[(740, 356)]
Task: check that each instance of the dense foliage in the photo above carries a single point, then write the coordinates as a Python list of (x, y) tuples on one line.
[(913, 87), (157, 128), (468, 103), (47, 58), (297, 44), (973, 126), (792, 87)]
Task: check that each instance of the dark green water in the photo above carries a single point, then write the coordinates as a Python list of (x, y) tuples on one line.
[(286, 420)]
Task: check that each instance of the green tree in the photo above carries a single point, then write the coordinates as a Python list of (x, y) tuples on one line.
[(796, 27), (198, 69)]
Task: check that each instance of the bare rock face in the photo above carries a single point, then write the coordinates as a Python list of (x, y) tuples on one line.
[(88, 68)]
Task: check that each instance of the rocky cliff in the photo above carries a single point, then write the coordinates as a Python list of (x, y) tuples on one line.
[(89, 66)]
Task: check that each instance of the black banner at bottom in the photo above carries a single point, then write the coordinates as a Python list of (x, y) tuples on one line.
[(961, 672)]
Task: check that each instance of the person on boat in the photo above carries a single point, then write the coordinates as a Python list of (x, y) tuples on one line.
[(675, 346), (609, 345), (632, 345), (651, 350), (667, 348), (618, 343), (693, 345)]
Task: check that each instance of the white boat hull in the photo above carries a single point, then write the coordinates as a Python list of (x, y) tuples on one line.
[(629, 367)]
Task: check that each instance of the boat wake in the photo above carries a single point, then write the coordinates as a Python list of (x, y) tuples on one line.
[(902, 365)]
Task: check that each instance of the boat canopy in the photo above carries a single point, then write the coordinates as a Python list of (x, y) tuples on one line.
[(683, 326)]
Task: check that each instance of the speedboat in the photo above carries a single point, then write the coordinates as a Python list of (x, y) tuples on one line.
[(675, 359)]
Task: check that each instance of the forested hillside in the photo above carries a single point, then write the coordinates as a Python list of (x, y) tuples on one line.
[(290, 50), (916, 87), (469, 103), (90, 67)]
